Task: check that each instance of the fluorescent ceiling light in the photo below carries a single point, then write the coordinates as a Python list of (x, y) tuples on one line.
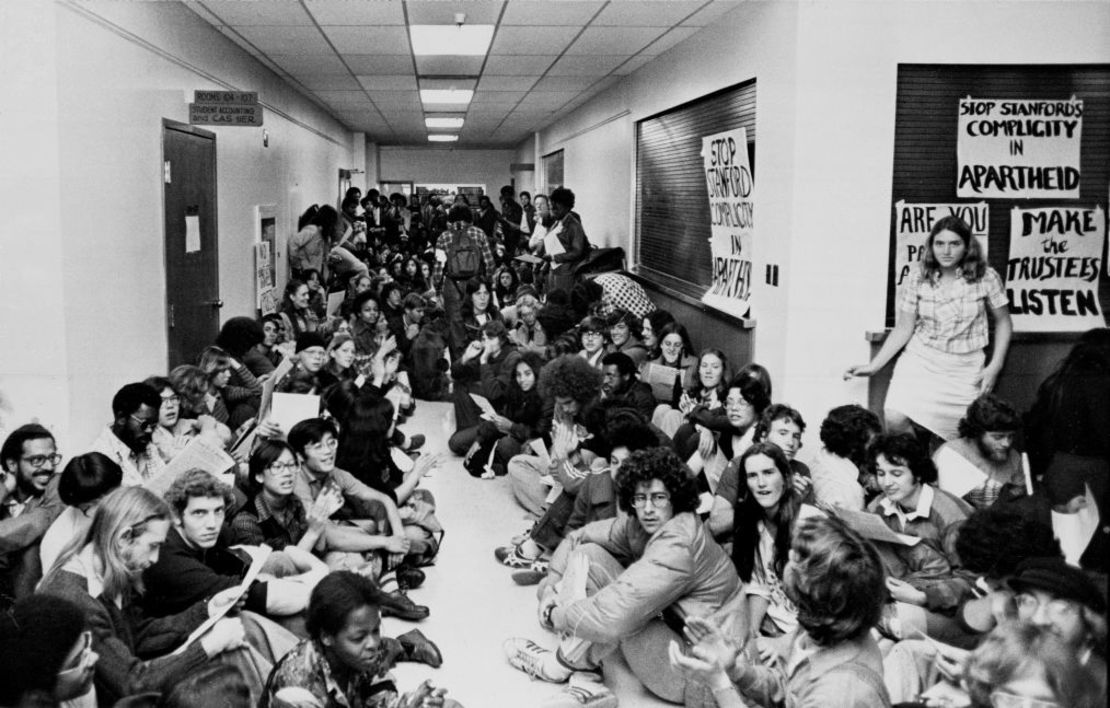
[(451, 122), (450, 40), (442, 138), (455, 96)]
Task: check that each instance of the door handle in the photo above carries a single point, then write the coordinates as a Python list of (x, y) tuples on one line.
[(214, 303)]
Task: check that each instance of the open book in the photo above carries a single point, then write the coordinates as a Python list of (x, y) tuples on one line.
[(258, 555)]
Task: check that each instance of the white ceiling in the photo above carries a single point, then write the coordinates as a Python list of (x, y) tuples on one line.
[(547, 57)]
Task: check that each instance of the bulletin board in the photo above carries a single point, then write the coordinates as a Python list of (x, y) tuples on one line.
[(1022, 153)]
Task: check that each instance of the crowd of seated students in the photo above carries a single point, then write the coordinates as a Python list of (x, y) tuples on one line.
[(677, 523)]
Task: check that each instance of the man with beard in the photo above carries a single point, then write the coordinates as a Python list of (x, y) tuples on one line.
[(127, 441), (982, 465), (29, 503), (619, 384)]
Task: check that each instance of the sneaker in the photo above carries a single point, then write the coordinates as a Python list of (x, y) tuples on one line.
[(584, 689), (534, 660), (512, 557), (526, 533), (532, 576)]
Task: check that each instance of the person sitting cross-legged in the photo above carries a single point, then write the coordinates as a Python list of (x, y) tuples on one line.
[(627, 583)]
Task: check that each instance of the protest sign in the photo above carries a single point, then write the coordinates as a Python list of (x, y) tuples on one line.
[(1018, 149), (728, 177), (913, 222), (1052, 272)]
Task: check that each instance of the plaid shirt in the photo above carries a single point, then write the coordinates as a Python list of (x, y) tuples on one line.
[(258, 523), (475, 233), (952, 317)]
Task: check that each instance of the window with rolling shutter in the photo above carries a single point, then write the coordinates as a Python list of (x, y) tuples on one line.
[(925, 138), (672, 202)]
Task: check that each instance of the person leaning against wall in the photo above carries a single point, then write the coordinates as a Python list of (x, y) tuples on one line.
[(941, 332)]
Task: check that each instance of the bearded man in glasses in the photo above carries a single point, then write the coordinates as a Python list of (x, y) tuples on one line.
[(128, 440), (29, 503)]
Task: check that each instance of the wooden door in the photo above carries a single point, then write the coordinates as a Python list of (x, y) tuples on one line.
[(192, 258)]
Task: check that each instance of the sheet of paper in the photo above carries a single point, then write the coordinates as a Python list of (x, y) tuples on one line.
[(956, 474), (258, 555), (484, 404), (661, 379), (1028, 474), (192, 234), (268, 385), (288, 409), (552, 246), (705, 503), (245, 439), (871, 526), (528, 258), (202, 452), (335, 300)]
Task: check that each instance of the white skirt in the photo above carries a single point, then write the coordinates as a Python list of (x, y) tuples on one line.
[(934, 388)]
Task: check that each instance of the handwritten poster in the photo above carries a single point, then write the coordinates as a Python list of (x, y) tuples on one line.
[(263, 275), (1052, 273), (728, 177), (913, 222), (1019, 149)]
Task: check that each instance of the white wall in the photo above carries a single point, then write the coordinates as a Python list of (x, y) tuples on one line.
[(115, 71), (825, 91), (446, 166)]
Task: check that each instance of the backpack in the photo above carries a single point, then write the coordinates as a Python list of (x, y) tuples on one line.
[(463, 258)]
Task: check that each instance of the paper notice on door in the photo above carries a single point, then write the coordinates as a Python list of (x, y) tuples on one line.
[(192, 233)]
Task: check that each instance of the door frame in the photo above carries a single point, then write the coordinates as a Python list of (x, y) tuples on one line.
[(170, 124)]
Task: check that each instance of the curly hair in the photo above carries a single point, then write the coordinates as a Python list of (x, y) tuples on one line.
[(569, 376), (988, 413), (837, 584), (239, 334), (846, 431), (662, 464), (196, 483), (335, 597), (993, 541), (903, 449), (191, 384)]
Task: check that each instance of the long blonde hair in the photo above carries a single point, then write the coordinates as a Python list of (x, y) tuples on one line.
[(127, 509)]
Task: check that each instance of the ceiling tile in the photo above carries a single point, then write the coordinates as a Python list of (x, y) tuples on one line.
[(545, 12), (507, 83), (646, 14), (367, 40), (449, 66), (345, 12), (501, 97), (327, 82), (310, 63), (550, 99), (586, 65), (532, 40), (388, 82), (290, 40), (478, 12), (384, 99), (670, 39), (632, 64), (614, 40), (344, 98), (367, 64), (708, 15), (519, 65), (260, 12), (485, 110), (570, 84), (233, 34)]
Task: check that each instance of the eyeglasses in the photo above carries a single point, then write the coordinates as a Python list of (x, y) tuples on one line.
[(731, 402), (1057, 608), (284, 466), (1001, 699), (171, 400), (148, 425), (38, 461), (658, 500)]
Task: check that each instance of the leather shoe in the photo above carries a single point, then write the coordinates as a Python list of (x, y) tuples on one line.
[(415, 443), (420, 649), (397, 604), (409, 578)]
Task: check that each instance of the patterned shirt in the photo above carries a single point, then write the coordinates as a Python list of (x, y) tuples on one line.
[(479, 238), (952, 317), (138, 467), (259, 523), (306, 667)]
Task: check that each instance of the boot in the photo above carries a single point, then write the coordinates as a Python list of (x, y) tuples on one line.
[(476, 463), (409, 578), (419, 649), (398, 604)]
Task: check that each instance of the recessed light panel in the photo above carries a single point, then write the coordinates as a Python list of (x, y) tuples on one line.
[(446, 40), (443, 138)]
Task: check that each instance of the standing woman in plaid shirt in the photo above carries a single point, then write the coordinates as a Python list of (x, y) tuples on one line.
[(942, 332)]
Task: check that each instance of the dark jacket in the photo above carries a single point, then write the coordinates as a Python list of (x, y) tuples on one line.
[(185, 575)]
